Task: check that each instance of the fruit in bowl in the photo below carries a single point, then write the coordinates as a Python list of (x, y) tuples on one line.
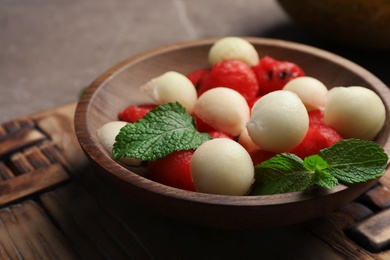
[(122, 86)]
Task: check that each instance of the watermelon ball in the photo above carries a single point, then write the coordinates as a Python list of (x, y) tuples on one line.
[(316, 117), (236, 75), (196, 76), (201, 126), (219, 134), (318, 137), (200, 79), (279, 121), (134, 113), (233, 48), (273, 74), (173, 170), (222, 166), (223, 109), (258, 156)]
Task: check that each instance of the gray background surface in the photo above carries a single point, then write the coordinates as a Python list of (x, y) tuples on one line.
[(50, 49)]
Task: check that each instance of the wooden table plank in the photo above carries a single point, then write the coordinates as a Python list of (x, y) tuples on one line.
[(330, 229), (80, 242), (59, 125), (29, 160), (373, 232), (5, 172), (379, 197), (93, 231), (31, 183), (20, 139), (27, 233)]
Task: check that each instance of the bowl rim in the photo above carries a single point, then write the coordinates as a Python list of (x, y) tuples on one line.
[(122, 173)]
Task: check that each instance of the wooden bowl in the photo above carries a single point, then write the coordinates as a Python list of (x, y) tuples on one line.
[(118, 87)]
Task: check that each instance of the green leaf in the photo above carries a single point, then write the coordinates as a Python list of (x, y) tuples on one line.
[(280, 174), (325, 179), (314, 162), (352, 160), (320, 177), (279, 164), (349, 161), (284, 183), (165, 129)]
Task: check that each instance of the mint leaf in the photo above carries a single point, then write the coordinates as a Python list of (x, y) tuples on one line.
[(320, 176), (325, 179), (348, 161), (284, 183), (165, 129), (314, 162), (279, 164), (280, 174), (352, 160)]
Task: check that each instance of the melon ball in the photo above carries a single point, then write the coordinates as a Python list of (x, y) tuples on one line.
[(223, 109), (246, 141), (355, 112), (279, 121), (233, 48), (172, 87), (222, 166), (107, 134), (310, 90)]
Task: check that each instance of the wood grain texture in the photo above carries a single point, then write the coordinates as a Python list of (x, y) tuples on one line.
[(27, 233), (330, 229), (378, 197), (373, 233), (19, 139), (30, 156), (120, 85), (60, 126), (92, 230), (31, 183)]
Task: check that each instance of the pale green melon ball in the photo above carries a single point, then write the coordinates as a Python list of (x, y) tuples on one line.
[(355, 112), (222, 166), (279, 121), (310, 90), (223, 109), (233, 48), (172, 87)]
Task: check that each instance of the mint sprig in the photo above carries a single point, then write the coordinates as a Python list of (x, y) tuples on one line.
[(353, 160), (165, 129), (282, 173), (348, 161)]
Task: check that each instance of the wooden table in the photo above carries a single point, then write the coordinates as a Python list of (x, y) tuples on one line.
[(53, 206)]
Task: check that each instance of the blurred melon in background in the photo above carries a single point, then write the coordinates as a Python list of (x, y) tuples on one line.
[(356, 23)]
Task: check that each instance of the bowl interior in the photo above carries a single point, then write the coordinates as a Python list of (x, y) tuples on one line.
[(119, 87)]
